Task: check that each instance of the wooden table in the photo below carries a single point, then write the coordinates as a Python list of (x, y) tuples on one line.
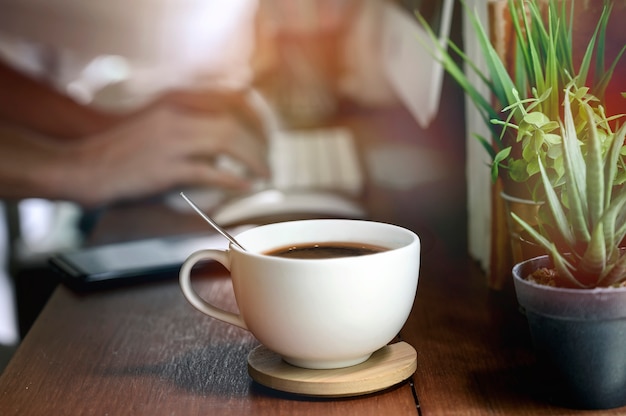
[(143, 350)]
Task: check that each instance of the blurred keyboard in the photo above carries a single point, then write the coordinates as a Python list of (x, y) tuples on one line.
[(319, 159)]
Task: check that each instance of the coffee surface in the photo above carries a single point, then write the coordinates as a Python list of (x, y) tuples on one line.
[(326, 250)]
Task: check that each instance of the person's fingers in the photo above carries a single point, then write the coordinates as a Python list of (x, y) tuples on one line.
[(208, 138), (145, 179), (163, 149), (198, 173), (244, 148), (233, 103)]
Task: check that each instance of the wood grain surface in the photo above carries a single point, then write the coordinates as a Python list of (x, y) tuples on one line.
[(146, 351)]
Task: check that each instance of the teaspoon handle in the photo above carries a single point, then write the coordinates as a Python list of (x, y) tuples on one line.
[(210, 221)]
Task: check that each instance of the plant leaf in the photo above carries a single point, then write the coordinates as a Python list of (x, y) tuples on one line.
[(561, 221), (561, 264), (575, 176), (593, 260), (616, 272), (595, 171)]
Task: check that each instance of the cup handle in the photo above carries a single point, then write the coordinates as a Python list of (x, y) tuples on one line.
[(191, 295)]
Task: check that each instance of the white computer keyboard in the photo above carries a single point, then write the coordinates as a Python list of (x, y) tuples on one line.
[(323, 159), (319, 159)]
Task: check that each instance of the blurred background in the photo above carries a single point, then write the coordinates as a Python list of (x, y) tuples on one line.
[(310, 57)]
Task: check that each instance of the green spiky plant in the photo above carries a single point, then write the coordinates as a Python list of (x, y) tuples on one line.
[(588, 212), (543, 67)]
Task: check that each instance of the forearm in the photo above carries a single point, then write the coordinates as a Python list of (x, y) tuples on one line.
[(151, 151), (31, 104)]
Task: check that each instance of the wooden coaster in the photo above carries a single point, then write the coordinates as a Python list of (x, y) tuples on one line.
[(386, 367)]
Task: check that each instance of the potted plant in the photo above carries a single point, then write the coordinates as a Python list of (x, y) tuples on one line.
[(543, 64), (533, 78), (574, 298)]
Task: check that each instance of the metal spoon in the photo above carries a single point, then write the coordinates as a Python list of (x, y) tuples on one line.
[(210, 221)]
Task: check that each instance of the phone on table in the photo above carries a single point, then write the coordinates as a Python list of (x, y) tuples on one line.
[(131, 262)]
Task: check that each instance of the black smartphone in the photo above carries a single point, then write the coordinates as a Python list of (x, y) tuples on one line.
[(130, 262)]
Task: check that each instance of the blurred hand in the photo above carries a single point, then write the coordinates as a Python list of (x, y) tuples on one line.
[(171, 143)]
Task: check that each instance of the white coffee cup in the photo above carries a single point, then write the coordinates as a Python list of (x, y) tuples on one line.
[(317, 313)]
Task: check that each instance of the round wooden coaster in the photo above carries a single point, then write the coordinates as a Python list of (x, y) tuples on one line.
[(386, 367)]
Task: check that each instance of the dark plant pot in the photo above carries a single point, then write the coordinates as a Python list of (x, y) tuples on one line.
[(579, 335)]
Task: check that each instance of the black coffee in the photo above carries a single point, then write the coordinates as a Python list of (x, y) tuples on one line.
[(325, 250)]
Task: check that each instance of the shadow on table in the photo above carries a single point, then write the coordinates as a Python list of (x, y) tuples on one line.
[(211, 370), (519, 387), (218, 370)]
